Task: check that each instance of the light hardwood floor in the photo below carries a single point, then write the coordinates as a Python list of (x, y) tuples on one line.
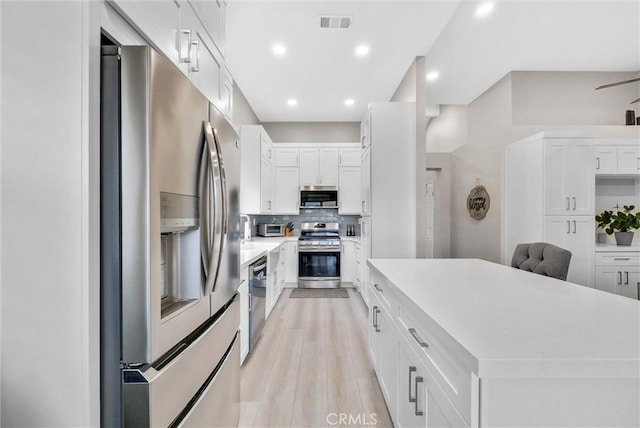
[(311, 364)]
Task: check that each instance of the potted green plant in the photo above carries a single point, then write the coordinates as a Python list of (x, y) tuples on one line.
[(622, 223)]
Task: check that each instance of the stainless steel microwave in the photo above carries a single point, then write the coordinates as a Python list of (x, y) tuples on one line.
[(266, 229), (319, 197)]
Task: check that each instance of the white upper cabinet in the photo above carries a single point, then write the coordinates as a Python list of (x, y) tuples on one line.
[(629, 160), (190, 33), (349, 190), (287, 156), (350, 157), (569, 177), (319, 166), (618, 159), (257, 172), (287, 191)]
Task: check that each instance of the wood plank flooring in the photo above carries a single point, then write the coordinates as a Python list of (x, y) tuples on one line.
[(312, 364)]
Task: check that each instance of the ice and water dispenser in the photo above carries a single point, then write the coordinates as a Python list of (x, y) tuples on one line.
[(180, 251)]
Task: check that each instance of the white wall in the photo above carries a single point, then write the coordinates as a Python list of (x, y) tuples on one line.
[(313, 132), (48, 349), (476, 136), (412, 88), (242, 113), (439, 170)]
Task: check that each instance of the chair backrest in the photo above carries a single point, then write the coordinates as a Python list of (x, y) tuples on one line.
[(542, 258)]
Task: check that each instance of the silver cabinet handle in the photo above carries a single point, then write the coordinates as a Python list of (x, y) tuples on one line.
[(195, 47), (373, 317), (638, 289), (249, 295), (377, 287), (184, 44), (568, 226), (621, 258), (597, 164), (619, 278), (412, 369), (626, 278), (574, 203), (574, 226), (269, 204), (377, 326), (418, 412), (414, 333), (568, 203)]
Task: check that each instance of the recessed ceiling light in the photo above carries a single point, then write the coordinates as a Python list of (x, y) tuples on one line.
[(279, 49), (484, 9), (292, 102), (362, 50), (432, 75), (349, 102)]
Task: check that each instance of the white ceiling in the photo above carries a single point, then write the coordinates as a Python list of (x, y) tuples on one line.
[(320, 68)]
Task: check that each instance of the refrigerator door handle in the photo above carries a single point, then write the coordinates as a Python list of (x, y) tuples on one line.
[(210, 206)]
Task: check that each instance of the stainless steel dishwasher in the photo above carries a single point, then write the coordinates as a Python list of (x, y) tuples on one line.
[(257, 300)]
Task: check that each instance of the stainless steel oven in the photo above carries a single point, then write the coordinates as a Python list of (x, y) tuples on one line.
[(319, 255)]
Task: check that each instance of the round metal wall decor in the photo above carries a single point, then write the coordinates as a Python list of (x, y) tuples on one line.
[(478, 202)]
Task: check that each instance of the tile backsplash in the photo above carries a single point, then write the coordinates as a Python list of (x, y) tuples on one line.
[(308, 216)]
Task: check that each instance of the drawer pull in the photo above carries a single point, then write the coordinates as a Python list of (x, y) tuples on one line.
[(414, 333), (619, 278), (626, 278), (378, 287), (621, 259), (375, 318), (418, 412), (411, 370)]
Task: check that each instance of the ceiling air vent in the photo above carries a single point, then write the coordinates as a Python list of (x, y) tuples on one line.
[(335, 22)]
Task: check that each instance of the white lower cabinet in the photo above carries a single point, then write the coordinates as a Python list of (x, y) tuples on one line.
[(421, 402), (347, 259), (574, 233), (292, 262), (243, 292), (619, 273)]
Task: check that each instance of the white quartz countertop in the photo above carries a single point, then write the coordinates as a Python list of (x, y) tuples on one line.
[(250, 251), (350, 238), (610, 248), (517, 323)]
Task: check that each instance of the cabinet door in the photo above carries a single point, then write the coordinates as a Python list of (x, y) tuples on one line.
[(387, 359), (350, 157), (555, 178), (308, 167), (365, 133), (409, 368), (287, 157), (630, 286), (347, 262), (608, 278), (212, 15), (574, 233), (328, 167), (374, 329), (266, 187), (365, 170), (287, 191), (629, 160), (226, 95), (606, 160), (581, 180), (580, 243), (266, 146), (350, 190), (292, 262)]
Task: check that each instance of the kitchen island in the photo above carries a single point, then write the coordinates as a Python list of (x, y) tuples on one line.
[(473, 343)]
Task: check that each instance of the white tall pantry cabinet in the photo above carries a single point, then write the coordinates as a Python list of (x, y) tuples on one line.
[(550, 197), (388, 168)]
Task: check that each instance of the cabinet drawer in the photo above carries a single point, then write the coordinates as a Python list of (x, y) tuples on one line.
[(621, 259), (381, 288), (449, 363)]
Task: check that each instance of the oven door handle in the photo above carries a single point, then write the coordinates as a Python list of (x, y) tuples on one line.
[(311, 250)]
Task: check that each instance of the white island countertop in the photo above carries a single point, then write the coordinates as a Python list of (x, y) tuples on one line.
[(252, 250), (520, 324)]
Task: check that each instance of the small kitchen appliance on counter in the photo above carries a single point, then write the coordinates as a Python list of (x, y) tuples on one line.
[(272, 229)]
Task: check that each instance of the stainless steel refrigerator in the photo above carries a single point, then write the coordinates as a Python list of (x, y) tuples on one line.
[(169, 248)]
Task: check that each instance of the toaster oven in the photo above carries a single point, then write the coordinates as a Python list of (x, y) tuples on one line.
[(272, 229)]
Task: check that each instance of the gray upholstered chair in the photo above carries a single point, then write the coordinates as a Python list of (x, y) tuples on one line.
[(542, 258)]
